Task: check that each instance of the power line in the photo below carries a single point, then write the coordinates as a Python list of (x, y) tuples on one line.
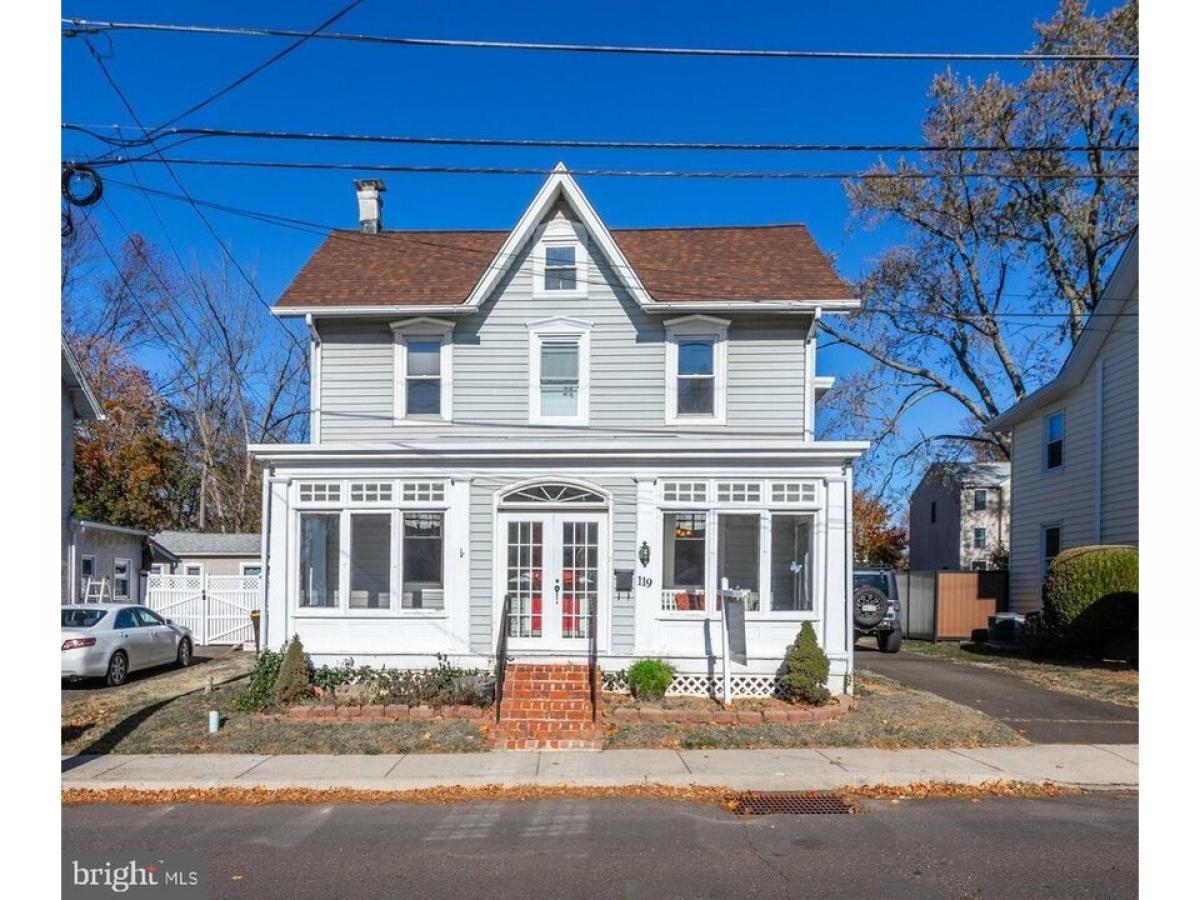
[(751, 175), (73, 27), (323, 230), (175, 177), (331, 137)]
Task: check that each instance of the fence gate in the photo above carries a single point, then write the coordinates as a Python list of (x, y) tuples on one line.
[(947, 604), (215, 607)]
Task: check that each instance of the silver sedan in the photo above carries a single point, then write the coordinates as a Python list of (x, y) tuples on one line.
[(110, 640)]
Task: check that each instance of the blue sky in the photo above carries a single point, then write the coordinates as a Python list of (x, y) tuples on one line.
[(330, 86)]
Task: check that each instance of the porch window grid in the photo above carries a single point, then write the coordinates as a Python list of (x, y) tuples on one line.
[(685, 491), (320, 491), (794, 492), (739, 492), (371, 492), (423, 492)]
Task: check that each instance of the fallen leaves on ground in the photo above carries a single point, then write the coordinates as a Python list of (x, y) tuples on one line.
[(443, 796)]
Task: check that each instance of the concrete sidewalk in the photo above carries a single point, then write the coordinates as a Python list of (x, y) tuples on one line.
[(1095, 766)]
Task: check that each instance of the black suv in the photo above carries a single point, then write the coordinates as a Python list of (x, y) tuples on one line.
[(877, 607)]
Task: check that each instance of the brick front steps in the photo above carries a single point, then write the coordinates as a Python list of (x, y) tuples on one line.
[(546, 707), (628, 715)]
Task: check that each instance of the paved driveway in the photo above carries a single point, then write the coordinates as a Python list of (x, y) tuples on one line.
[(1043, 716)]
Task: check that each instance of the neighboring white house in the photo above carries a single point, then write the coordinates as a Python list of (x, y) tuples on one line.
[(207, 553), (1075, 443), (576, 419), (958, 516)]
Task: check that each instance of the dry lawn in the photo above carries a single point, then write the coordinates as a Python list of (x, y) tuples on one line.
[(886, 714)]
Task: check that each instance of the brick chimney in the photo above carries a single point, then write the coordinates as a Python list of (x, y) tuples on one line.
[(370, 204)]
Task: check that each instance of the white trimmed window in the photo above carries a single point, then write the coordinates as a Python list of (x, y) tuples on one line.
[(739, 492), (320, 491), (560, 262), (424, 363), (696, 376), (794, 492), (559, 362), (370, 492), (193, 569), (685, 491), (423, 491), (1054, 433), (250, 568), (121, 570)]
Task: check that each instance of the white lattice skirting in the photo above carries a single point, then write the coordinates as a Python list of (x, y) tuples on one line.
[(697, 685)]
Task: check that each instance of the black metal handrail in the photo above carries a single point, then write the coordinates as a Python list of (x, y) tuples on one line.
[(593, 660), (502, 651)]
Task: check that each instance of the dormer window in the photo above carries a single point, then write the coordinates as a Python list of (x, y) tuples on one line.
[(560, 273)]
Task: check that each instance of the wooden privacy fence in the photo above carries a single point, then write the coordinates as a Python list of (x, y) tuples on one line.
[(215, 607), (949, 605)]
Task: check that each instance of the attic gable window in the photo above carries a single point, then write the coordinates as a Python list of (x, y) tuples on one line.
[(560, 272)]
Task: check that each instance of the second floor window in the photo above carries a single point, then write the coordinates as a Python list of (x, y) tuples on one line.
[(423, 378), (980, 500), (980, 538), (1055, 430), (696, 386), (560, 378)]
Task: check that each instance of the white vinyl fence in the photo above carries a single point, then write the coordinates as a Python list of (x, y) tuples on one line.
[(215, 607)]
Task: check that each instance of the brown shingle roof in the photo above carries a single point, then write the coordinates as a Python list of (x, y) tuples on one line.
[(758, 262)]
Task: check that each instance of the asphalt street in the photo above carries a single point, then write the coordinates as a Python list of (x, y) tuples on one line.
[(1043, 716), (1082, 846)]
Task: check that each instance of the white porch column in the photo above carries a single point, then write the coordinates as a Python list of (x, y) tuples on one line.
[(277, 567), (458, 563), (646, 597), (836, 616)]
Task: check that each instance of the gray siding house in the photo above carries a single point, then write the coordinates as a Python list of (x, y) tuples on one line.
[(207, 553), (1075, 443), (958, 516), (571, 419)]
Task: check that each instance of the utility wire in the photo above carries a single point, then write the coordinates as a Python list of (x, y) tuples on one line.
[(322, 230), (331, 137), (158, 158), (73, 27), (183, 190)]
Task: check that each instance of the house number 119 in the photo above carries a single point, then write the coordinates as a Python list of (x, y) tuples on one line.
[(645, 581)]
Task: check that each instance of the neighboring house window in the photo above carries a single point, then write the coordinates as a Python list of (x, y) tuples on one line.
[(87, 567), (980, 538), (559, 372), (160, 569), (194, 569), (933, 512), (250, 568), (696, 376), (559, 273), (423, 360), (424, 582), (121, 569), (320, 571), (1054, 426), (980, 499), (979, 565), (1051, 544)]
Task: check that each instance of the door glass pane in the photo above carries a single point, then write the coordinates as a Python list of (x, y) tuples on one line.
[(684, 552), (320, 535), (580, 577), (791, 563), (423, 587), (523, 581), (738, 555), (370, 561)]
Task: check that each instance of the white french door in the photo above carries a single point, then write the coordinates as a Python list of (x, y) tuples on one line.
[(554, 570)]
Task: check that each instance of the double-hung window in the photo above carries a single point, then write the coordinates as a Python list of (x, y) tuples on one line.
[(1055, 429), (558, 372), (423, 358), (979, 539), (559, 272), (980, 499), (696, 370), (1051, 544)]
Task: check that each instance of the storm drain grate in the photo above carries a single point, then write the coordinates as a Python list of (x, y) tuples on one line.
[(807, 803)]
